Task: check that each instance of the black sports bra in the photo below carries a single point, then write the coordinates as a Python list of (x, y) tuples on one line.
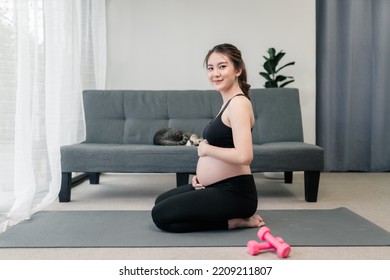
[(217, 133)]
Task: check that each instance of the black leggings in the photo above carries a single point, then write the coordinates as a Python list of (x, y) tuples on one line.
[(184, 209)]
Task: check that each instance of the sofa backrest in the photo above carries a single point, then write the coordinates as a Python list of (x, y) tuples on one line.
[(134, 116), (278, 115)]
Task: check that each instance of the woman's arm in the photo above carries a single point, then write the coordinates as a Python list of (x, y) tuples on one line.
[(240, 117)]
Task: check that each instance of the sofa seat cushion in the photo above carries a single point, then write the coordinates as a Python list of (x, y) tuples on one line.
[(287, 156), (128, 158)]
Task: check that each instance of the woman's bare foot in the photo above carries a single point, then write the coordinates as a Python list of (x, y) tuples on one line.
[(254, 221)]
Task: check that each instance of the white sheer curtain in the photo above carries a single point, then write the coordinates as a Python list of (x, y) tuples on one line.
[(49, 52)]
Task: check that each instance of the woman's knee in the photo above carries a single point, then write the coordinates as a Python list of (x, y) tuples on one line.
[(173, 192), (159, 221), (156, 217)]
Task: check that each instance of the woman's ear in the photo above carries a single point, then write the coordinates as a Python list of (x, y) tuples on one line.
[(238, 72)]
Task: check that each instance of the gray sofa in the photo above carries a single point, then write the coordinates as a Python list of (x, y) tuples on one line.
[(120, 125)]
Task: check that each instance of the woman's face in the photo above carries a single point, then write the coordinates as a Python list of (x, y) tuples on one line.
[(221, 72)]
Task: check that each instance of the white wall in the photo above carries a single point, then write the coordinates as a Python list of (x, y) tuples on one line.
[(161, 44)]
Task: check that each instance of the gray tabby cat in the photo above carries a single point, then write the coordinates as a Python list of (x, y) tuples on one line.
[(172, 136)]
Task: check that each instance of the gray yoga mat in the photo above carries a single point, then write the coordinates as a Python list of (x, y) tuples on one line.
[(72, 229)]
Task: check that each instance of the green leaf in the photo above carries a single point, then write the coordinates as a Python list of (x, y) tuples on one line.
[(279, 56), (268, 67), (280, 78), (288, 64), (286, 83), (265, 75), (271, 52), (273, 66)]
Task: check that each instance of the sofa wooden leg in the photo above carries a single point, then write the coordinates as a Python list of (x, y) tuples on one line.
[(288, 177), (182, 179), (66, 187), (94, 178), (312, 180)]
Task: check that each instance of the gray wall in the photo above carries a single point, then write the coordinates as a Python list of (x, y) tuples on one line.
[(161, 44)]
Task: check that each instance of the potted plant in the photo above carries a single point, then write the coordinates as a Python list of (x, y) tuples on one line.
[(270, 66), (273, 80)]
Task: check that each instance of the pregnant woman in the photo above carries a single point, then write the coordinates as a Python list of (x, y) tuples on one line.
[(223, 192)]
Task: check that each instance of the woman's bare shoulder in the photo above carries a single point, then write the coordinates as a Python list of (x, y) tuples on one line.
[(240, 102)]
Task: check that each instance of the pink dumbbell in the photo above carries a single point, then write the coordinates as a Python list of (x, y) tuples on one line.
[(282, 248), (254, 247)]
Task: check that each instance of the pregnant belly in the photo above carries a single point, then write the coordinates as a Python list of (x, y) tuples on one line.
[(210, 170)]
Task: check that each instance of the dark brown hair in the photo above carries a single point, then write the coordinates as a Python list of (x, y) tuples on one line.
[(235, 57)]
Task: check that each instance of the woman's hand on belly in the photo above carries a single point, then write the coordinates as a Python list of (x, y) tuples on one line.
[(202, 148), (196, 184)]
